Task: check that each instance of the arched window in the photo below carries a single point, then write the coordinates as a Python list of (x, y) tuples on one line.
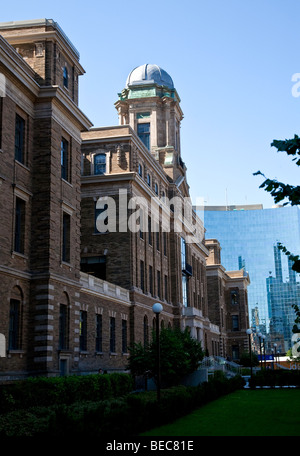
[(100, 164), (66, 77)]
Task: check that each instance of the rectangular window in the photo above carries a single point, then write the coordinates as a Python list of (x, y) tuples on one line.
[(124, 336), (143, 131), (19, 138), (112, 335), (14, 325), (185, 291), (64, 159), (142, 274), (235, 323), (157, 238), (165, 242), (66, 233), (95, 266), (183, 254), (100, 164), (158, 284), (151, 280), (19, 244), (149, 231), (63, 327), (166, 287), (99, 333), (83, 330)]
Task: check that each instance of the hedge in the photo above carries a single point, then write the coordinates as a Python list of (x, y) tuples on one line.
[(127, 415), (275, 378), (46, 391)]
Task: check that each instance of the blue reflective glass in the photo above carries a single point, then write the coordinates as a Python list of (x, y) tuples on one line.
[(249, 239)]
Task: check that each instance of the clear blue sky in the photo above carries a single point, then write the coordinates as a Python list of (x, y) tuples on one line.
[(232, 64)]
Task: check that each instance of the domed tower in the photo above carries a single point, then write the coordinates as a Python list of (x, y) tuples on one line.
[(150, 104)]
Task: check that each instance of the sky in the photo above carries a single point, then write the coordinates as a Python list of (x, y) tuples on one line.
[(232, 63)]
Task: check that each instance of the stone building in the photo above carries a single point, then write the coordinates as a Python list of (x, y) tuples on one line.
[(96, 223)]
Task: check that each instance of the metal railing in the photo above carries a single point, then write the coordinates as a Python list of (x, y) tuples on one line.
[(213, 363)]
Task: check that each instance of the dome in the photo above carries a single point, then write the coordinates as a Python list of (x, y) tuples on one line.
[(149, 74)]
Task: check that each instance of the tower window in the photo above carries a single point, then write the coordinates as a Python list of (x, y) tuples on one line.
[(19, 226), (66, 232), (66, 77), (64, 158), (19, 138), (143, 131), (100, 164)]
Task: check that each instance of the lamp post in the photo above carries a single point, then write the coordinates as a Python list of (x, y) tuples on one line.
[(249, 332), (259, 337), (275, 347), (264, 347), (157, 308)]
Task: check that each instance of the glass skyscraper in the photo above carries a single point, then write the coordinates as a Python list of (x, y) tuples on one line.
[(249, 237)]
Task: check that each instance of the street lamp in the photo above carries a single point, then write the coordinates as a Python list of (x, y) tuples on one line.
[(259, 337), (275, 347), (249, 332), (157, 308), (263, 338)]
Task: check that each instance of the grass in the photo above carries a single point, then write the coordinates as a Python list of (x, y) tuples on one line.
[(260, 412)]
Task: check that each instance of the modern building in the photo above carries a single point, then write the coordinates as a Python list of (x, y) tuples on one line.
[(96, 223), (249, 237)]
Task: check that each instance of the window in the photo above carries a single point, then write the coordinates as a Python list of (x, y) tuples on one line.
[(140, 170), (99, 333), (112, 335), (100, 164), (234, 297), (63, 327), (66, 231), (165, 242), (149, 180), (235, 323), (235, 352), (158, 284), (124, 336), (83, 330), (142, 275), (151, 280), (157, 238), (156, 188), (141, 217), (143, 131), (64, 159), (14, 342), (184, 290), (95, 266), (66, 77), (149, 231), (19, 138), (19, 226), (183, 254), (166, 287)]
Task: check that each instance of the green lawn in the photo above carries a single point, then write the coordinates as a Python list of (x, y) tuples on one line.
[(261, 412)]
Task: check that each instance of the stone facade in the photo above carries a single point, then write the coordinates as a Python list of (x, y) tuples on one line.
[(77, 289)]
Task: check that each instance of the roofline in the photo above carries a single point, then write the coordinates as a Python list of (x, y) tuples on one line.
[(38, 23)]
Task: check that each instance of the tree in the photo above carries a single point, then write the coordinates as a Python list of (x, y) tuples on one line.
[(180, 355), (280, 192)]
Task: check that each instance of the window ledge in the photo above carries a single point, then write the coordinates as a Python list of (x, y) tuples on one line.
[(22, 165), (67, 182), (19, 254)]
